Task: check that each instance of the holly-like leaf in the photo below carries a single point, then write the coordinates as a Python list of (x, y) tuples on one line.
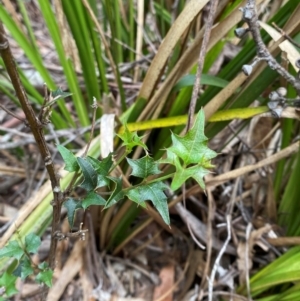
[(103, 166), (45, 277), (134, 195), (117, 193), (171, 158), (9, 282), (43, 265), (102, 169), (192, 148), (183, 174), (190, 155), (24, 269), (92, 199), (55, 96), (32, 243), (17, 272), (72, 205), (131, 139), (70, 160), (90, 176), (143, 167), (13, 249), (59, 93), (152, 192)]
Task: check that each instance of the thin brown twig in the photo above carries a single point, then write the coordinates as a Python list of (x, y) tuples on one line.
[(11, 113), (196, 88), (69, 188), (285, 35), (37, 131), (247, 255), (94, 106), (232, 174), (217, 262), (211, 209), (251, 18), (223, 293), (284, 241), (187, 222)]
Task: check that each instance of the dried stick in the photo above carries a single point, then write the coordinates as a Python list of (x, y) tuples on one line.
[(196, 88), (210, 217), (11, 113), (286, 36), (217, 262), (247, 254), (251, 18), (37, 130)]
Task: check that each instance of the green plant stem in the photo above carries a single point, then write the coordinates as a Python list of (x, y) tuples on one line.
[(119, 160), (160, 179)]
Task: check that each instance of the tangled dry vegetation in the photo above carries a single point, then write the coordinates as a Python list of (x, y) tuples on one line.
[(142, 64)]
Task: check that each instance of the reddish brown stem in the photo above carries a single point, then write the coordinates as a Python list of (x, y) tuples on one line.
[(37, 130)]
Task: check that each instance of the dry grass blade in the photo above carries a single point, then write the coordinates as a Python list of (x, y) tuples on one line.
[(286, 152), (284, 241), (70, 270), (188, 59), (178, 28), (196, 87), (12, 171), (286, 46)]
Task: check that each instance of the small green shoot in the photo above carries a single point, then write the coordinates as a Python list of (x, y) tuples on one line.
[(21, 252)]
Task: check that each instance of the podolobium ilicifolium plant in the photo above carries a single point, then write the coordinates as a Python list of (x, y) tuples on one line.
[(138, 59), (189, 154)]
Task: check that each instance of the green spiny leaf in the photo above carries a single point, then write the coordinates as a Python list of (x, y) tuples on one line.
[(193, 151), (45, 277), (43, 265), (143, 167), (192, 148), (89, 174), (171, 158), (182, 174), (32, 243), (154, 193), (18, 271), (24, 269), (13, 249), (69, 159), (93, 199), (117, 193), (59, 93), (102, 168), (130, 140), (72, 205), (9, 282), (134, 194)]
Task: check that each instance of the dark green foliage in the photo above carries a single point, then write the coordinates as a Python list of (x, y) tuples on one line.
[(189, 154), (21, 252)]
